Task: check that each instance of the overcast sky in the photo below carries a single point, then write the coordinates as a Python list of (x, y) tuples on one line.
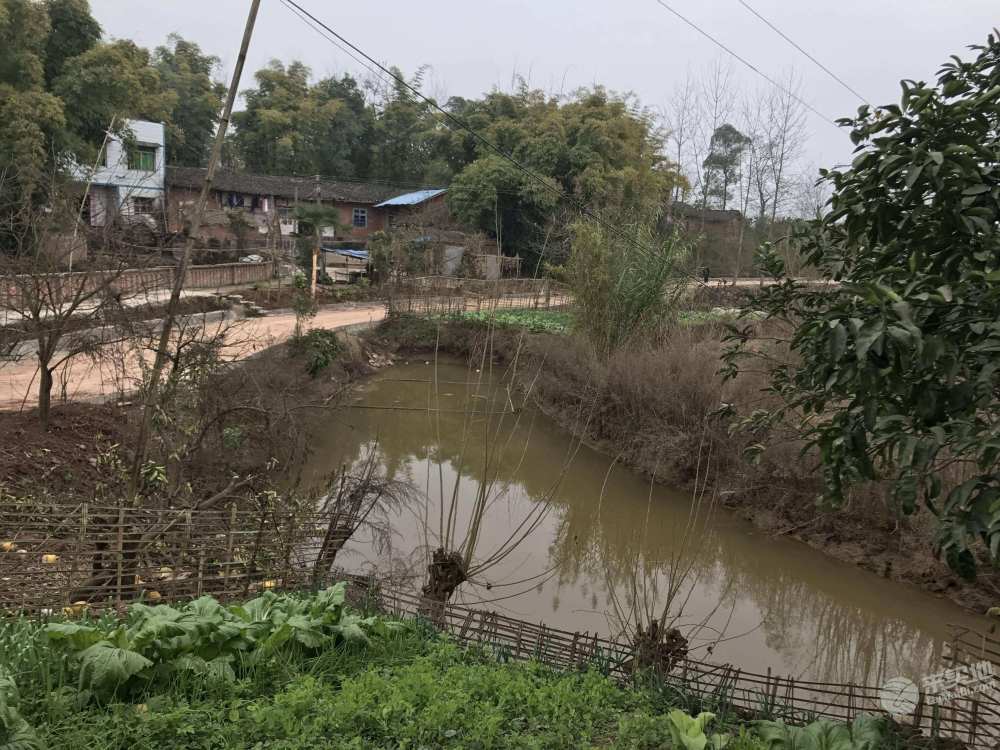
[(629, 45)]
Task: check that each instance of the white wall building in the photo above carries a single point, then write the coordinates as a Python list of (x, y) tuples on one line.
[(129, 181)]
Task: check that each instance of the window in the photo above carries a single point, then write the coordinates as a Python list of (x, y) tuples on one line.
[(143, 158), (143, 205), (360, 217)]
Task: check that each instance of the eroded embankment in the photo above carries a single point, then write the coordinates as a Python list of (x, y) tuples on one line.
[(653, 409)]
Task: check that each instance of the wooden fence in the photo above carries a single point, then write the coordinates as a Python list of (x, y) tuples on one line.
[(446, 295), (54, 556)]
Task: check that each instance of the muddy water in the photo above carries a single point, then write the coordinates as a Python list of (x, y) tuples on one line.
[(601, 536)]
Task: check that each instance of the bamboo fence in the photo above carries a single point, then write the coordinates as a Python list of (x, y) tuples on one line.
[(973, 720), (445, 295), (54, 556)]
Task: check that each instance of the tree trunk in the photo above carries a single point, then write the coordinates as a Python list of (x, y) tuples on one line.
[(445, 574), (45, 396)]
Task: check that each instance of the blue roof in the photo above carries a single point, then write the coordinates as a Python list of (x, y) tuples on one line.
[(347, 252), (412, 199)]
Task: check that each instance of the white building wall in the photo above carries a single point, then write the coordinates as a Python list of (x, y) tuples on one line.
[(124, 183)]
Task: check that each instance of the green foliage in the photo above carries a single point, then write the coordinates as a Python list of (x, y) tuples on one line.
[(74, 31), (204, 638), (292, 127), (894, 372), (723, 163), (600, 148), (186, 71), (15, 732), (623, 291), (534, 321), (864, 733), (319, 346), (447, 699), (298, 673), (493, 195), (109, 80)]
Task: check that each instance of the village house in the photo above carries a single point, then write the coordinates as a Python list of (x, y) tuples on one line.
[(129, 179), (246, 206), (419, 206)]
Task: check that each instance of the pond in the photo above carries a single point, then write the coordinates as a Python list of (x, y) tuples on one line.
[(574, 540)]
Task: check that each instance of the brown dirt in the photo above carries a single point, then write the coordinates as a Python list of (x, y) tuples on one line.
[(62, 459), (652, 408)]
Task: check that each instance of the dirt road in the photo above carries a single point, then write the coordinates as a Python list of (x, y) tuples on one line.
[(81, 379)]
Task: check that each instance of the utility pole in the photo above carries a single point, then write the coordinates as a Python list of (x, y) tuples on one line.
[(318, 247), (160, 361)]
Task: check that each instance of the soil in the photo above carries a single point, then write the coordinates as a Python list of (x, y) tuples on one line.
[(64, 458), (780, 500)]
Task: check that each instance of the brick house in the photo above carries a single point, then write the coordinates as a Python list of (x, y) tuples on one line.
[(244, 206)]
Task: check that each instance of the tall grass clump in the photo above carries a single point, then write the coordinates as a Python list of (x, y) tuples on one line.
[(624, 291)]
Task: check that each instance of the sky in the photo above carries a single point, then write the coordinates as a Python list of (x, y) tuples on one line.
[(559, 45)]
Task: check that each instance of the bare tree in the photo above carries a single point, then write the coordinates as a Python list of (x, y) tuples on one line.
[(52, 315), (681, 118), (787, 135), (715, 107), (811, 195)]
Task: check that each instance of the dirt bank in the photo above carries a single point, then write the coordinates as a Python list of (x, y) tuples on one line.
[(653, 410), (240, 418)]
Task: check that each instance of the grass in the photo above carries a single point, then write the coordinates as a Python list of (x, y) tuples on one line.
[(405, 686)]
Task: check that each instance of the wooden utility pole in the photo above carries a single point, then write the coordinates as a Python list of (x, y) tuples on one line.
[(318, 230), (160, 361)]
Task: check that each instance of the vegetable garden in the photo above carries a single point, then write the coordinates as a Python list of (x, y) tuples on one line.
[(308, 671)]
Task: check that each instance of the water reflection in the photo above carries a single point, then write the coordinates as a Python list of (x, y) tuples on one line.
[(799, 612)]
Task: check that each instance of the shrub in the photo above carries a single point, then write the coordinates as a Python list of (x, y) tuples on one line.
[(319, 346), (624, 291)]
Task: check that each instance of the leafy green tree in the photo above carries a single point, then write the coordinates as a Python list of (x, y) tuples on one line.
[(496, 196), (186, 72), (722, 164), (597, 148), (74, 31), (31, 118), (110, 80), (894, 370), (290, 126), (267, 138), (402, 138)]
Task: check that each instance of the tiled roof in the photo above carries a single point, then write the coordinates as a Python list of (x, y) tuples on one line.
[(285, 187)]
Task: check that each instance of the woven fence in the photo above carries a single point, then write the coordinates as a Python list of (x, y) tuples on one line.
[(445, 295), (56, 556), (974, 720)]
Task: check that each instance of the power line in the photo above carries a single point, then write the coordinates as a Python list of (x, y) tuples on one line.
[(825, 69), (546, 183), (750, 65)]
